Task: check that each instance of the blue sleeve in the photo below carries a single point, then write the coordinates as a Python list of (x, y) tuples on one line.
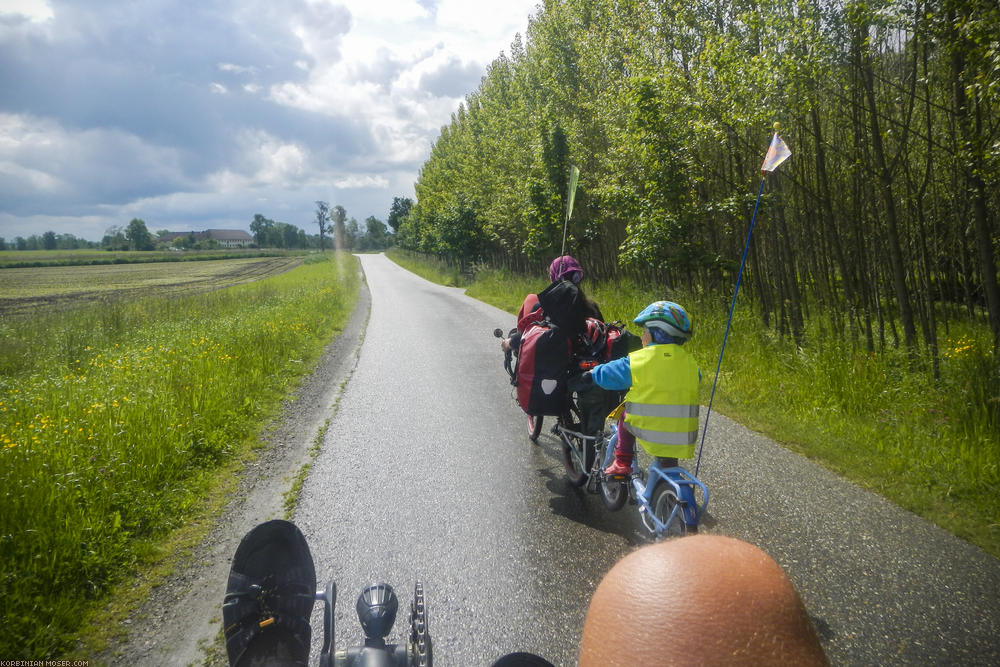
[(615, 375)]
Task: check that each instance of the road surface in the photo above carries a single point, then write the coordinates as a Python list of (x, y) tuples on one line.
[(425, 474)]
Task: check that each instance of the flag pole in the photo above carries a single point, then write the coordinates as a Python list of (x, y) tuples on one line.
[(725, 337), (776, 154)]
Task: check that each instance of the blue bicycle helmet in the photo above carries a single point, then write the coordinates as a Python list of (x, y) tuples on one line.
[(668, 317)]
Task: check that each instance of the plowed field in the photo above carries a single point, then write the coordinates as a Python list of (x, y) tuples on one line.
[(26, 291)]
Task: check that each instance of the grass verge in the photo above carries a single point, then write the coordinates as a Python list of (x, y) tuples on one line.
[(116, 422), (430, 268)]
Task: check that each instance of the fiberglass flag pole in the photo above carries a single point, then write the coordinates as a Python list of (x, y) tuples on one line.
[(777, 153), (574, 176)]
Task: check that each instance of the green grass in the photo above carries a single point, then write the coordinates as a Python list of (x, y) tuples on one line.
[(931, 446), (113, 416), (431, 268)]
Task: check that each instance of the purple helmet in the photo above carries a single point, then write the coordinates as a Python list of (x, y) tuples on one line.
[(565, 267)]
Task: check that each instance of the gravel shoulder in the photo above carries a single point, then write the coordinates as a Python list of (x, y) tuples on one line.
[(180, 623)]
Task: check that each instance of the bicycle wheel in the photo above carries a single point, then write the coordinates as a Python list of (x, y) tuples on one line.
[(614, 493), (576, 469), (664, 500), (534, 428)]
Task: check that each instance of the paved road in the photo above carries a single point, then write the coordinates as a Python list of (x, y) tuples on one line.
[(425, 473)]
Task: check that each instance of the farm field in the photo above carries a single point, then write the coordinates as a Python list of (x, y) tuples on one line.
[(12, 259), (26, 290)]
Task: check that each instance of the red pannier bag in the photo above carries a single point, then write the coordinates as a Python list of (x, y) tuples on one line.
[(543, 363)]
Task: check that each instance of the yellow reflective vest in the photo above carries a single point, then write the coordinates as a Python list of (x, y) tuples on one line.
[(661, 407)]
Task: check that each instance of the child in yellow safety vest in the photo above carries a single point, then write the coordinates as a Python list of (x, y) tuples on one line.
[(661, 407)]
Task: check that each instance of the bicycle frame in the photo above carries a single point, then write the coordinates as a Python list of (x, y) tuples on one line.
[(568, 435), (677, 478), (683, 484)]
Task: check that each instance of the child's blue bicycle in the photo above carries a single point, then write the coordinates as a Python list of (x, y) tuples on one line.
[(670, 500)]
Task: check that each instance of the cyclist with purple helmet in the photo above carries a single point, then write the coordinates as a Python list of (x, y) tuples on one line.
[(562, 268)]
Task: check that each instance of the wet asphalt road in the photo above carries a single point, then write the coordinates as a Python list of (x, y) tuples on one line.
[(426, 474)]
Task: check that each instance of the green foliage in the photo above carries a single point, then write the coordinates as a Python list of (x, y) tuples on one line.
[(48, 241), (270, 234), (892, 111), (138, 236), (110, 413), (398, 211), (375, 236), (338, 218)]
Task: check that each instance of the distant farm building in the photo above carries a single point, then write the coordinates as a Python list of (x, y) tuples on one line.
[(226, 238)]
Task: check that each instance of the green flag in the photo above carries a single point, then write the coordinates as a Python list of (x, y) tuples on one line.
[(574, 176)]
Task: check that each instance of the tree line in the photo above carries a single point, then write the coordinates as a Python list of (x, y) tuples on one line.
[(266, 234), (47, 241), (884, 220), (345, 233)]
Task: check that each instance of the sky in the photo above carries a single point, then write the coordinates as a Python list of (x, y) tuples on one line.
[(198, 115)]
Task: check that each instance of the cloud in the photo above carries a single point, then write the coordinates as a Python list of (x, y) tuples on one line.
[(25, 10), (453, 79), (237, 69), (215, 110), (266, 161), (389, 11), (79, 170)]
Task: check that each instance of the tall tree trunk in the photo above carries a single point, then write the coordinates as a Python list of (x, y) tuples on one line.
[(970, 126), (827, 215), (929, 324), (884, 172), (788, 272)]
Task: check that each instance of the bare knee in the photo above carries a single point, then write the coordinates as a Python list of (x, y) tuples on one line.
[(704, 599)]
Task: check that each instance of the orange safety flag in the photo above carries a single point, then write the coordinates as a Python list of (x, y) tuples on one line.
[(777, 153)]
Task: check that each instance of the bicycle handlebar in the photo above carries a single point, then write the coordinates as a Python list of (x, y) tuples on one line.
[(508, 354)]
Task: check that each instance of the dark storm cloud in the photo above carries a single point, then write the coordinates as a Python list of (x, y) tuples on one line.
[(135, 85), (453, 79)]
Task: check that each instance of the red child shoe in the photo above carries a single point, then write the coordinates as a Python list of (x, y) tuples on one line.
[(618, 469)]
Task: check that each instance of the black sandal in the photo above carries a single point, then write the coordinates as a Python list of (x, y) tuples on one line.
[(269, 598)]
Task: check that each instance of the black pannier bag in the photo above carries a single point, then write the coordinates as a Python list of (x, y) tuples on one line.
[(564, 306)]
